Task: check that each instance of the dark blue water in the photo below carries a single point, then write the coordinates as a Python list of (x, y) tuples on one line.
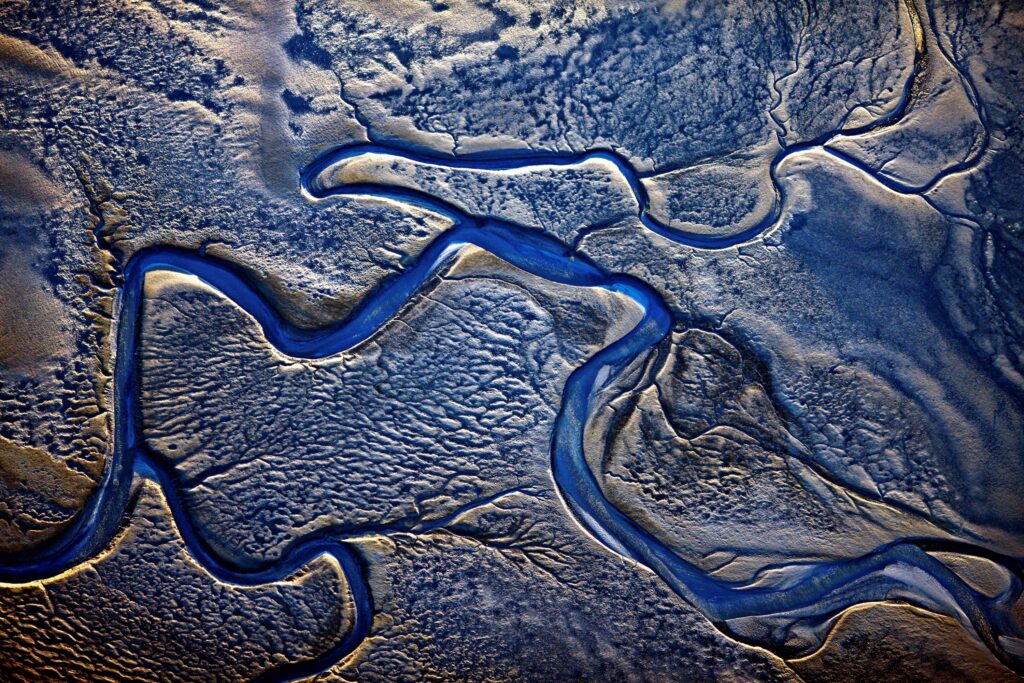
[(834, 585)]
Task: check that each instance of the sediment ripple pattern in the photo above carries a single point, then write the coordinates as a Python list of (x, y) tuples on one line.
[(813, 593)]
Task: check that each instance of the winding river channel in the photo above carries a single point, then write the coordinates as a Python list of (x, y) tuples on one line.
[(903, 569)]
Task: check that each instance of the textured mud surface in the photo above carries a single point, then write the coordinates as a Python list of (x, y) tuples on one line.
[(508, 340)]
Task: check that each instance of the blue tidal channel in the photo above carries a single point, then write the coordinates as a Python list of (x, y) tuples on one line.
[(542, 256)]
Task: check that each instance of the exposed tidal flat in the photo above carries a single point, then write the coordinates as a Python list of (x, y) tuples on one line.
[(498, 340)]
